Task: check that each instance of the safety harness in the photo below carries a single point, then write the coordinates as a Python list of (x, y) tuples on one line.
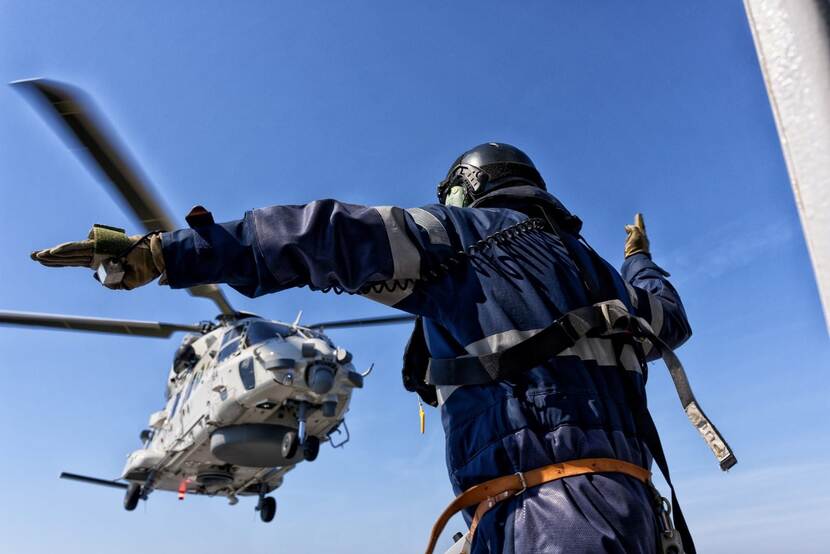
[(609, 319)]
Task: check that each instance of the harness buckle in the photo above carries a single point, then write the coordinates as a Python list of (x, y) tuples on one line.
[(521, 477)]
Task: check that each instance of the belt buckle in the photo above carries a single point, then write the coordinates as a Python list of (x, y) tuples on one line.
[(521, 477)]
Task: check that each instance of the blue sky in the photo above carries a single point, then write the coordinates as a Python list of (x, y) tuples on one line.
[(656, 107)]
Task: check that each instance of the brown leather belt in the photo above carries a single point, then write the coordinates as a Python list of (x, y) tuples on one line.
[(491, 492)]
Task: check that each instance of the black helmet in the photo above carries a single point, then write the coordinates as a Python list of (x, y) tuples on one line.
[(488, 167)]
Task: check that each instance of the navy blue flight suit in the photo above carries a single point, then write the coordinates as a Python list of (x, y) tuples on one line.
[(579, 404)]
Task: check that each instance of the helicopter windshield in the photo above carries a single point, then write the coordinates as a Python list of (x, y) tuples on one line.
[(259, 331), (230, 344)]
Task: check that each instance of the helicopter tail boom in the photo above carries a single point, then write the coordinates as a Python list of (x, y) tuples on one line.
[(94, 480)]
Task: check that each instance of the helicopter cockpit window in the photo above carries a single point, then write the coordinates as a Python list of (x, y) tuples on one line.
[(259, 331), (230, 344), (228, 350)]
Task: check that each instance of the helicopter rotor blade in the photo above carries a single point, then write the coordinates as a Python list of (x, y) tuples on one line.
[(214, 293), (94, 480), (96, 324), (79, 123), (363, 322), (70, 109)]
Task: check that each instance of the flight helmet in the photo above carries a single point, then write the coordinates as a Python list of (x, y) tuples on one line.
[(485, 168)]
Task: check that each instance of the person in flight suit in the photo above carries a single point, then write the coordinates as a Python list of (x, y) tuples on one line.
[(496, 262)]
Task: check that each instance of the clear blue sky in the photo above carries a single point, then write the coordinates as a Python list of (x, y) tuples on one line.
[(658, 107)]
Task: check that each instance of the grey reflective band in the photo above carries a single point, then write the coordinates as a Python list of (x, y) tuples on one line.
[(405, 255), (499, 341), (604, 319), (429, 223), (632, 294), (656, 314)]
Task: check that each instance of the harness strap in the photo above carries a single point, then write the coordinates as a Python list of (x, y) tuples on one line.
[(607, 319), (495, 490), (714, 440), (534, 350), (603, 319)]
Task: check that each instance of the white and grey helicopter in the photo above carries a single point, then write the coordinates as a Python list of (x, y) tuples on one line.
[(247, 398)]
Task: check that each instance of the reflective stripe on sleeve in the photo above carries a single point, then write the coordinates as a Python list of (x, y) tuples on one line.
[(405, 255), (632, 294), (431, 224), (656, 314)]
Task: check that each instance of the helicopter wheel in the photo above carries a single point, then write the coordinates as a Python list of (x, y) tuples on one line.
[(267, 508), (132, 496), (289, 444), (311, 447)]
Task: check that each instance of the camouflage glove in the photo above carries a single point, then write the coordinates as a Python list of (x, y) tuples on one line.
[(637, 240), (139, 257)]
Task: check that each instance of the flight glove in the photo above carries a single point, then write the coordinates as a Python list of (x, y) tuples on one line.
[(637, 240), (140, 257)]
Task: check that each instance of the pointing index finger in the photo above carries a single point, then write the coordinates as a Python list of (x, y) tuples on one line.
[(638, 221)]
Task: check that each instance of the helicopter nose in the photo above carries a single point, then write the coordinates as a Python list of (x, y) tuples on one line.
[(320, 378)]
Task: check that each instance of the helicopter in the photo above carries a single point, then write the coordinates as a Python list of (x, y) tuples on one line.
[(247, 398)]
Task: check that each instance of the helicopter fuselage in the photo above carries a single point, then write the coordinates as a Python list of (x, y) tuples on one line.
[(248, 389)]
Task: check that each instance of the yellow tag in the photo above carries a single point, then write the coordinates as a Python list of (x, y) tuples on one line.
[(422, 414)]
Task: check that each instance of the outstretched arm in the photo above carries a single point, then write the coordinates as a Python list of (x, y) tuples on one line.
[(322, 244)]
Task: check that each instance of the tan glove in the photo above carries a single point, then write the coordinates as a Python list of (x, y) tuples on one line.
[(637, 240), (140, 256)]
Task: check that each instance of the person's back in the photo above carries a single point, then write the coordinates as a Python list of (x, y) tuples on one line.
[(522, 276)]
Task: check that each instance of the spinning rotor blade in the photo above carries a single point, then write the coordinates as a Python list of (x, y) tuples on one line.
[(96, 324), (365, 322), (73, 112), (94, 480), (212, 292)]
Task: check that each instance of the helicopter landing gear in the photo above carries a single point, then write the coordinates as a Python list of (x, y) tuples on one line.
[(132, 496), (267, 508), (311, 447), (289, 444), (302, 416)]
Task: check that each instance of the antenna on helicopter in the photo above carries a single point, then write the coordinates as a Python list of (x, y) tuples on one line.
[(74, 117), (297, 319)]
